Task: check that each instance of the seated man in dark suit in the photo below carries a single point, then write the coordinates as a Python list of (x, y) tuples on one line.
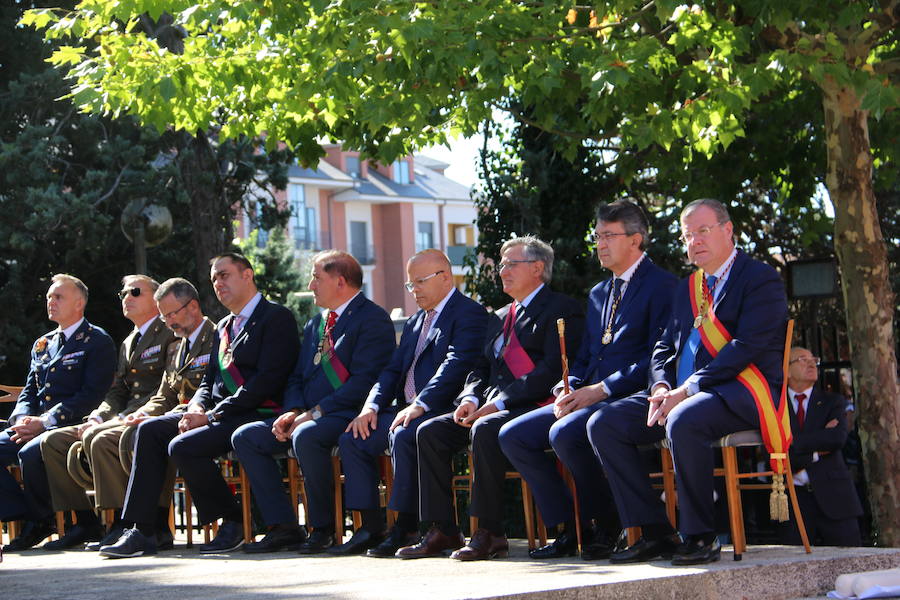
[(94, 444), (520, 363), (625, 317), (257, 344), (439, 346), (825, 490), (344, 349), (71, 369), (727, 318)]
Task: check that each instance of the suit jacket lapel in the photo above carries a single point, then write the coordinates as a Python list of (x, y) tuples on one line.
[(631, 290), (740, 261)]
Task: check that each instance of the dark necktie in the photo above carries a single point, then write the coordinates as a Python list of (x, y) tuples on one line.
[(184, 355), (60, 342), (801, 411), (616, 298), (134, 344)]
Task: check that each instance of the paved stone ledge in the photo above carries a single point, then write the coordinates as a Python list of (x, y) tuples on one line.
[(767, 572)]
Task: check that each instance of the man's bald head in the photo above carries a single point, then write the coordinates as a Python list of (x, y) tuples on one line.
[(430, 277)]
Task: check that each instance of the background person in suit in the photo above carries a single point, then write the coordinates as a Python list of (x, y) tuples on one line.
[(625, 317), (256, 346), (519, 365), (344, 349), (439, 346), (695, 395), (825, 490), (71, 369), (94, 444)]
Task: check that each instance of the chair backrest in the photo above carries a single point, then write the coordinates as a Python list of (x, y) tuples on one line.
[(12, 393)]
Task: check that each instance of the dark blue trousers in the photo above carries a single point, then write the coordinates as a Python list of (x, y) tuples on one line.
[(526, 440), (255, 446), (359, 459), (620, 427), (32, 503)]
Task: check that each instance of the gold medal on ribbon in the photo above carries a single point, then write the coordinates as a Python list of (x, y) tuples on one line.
[(317, 358), (607, 338), (698, 321)]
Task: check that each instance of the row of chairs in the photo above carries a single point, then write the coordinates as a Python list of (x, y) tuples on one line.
[(535, 529)]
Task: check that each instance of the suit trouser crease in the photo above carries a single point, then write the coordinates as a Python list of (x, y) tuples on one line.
[(438, 439)]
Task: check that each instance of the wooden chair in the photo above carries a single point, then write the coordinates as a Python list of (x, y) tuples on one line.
[(387, 477), (733, 477), (12, 396), (534, 526)]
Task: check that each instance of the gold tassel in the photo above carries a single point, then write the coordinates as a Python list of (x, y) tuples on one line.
[(778, 502)]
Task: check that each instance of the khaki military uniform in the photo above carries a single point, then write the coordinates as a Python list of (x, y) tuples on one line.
[(141, 367)]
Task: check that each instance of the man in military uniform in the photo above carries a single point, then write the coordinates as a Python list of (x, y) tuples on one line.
[(71, 369), (93, 445)]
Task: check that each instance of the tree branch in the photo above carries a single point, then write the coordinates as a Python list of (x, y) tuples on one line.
[(519, 116), (109, 192)]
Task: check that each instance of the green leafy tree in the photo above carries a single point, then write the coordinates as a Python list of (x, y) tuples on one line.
[(387, 75)]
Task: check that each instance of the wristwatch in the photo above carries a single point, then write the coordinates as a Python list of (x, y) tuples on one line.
[(316, 413)]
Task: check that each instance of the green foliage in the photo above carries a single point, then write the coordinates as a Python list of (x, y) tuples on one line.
[(387, 75)]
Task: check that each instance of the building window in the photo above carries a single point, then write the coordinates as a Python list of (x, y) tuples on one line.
[(424, 236), (352, 164), (401, 171), (303, 218), (262, 236), (359, 243)]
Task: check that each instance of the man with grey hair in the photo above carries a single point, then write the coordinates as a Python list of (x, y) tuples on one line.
[(71, 368), (86, 456), (519, 365)]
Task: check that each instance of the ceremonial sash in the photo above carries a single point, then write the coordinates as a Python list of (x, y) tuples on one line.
[(774, 424), (334, 369), (232, 378), (517, 360)]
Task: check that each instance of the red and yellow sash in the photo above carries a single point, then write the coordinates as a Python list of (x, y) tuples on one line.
[(334, 369), (774, 423), (232, 378)]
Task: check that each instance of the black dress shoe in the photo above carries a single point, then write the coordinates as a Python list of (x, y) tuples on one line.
[(602, 546), (76, 537), (278, 538), (132, 543), (697, 552), (395, 540), (229, 538), (109, 539), (564, 545), (317, 543), (165, 540), (32, 533), (362, 540), (644, 550)]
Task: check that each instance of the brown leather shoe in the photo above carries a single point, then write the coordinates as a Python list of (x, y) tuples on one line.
[(482, 546), (435, 543)]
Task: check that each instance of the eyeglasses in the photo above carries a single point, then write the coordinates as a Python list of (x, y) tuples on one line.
[(606, 236), (507, 264), (171, 315), (133, 291), (411, 285), (702, 232), (809, 360)]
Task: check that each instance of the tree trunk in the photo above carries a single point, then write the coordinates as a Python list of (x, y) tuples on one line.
[(869, 300), (210, 214)]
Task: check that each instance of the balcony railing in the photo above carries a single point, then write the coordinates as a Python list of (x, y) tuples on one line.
[(365, 254)]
